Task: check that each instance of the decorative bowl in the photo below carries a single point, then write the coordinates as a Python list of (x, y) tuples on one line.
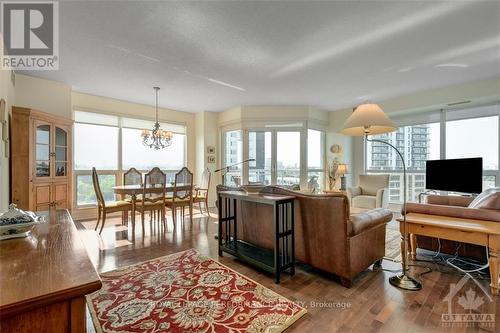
[(16, 223), (253, 189)]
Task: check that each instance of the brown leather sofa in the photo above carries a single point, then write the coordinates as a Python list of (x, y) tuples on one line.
[(327, 237), (453, 206)]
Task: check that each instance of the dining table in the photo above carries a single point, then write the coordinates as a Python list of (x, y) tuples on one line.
[(134, 190)]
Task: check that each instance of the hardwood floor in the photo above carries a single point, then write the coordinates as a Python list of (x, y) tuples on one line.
[(371, 305)]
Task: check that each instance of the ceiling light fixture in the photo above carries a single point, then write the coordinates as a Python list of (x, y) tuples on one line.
[(157, 138), (451, 66), (225, 84)]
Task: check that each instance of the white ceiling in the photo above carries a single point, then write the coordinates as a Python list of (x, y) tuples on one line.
[(215, 55)]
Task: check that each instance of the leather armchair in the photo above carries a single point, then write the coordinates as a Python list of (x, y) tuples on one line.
[(372, 192)]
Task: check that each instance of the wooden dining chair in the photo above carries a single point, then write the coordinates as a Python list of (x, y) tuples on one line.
[(201, 192), (103, 207), (132, 177), (182, 195), (153, 201)]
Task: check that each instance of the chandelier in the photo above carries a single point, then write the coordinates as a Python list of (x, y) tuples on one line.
[(157, 138)]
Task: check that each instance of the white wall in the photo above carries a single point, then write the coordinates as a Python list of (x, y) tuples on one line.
[(333, 136), (7, 93), (43, 95), (206, 136)]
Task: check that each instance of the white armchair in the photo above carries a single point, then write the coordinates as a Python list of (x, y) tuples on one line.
[(372, 192)]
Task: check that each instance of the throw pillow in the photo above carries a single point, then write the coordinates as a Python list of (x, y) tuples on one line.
[(488, 199)]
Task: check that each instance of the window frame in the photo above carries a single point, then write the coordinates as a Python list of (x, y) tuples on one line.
[(441, 117), (302, 127), (322, 168), (118, 173)]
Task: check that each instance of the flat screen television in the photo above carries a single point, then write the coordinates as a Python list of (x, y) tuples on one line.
[(455, 175)]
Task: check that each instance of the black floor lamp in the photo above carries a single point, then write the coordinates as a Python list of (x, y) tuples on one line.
[(369, 119)]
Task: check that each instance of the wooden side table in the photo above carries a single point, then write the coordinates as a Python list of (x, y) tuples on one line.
[(479, 232), (334, 191), (282, 257), (45, 277)]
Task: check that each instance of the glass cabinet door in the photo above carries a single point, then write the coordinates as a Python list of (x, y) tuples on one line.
[(60, 152), (42, 150)]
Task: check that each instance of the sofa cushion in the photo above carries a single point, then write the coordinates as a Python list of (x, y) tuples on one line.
[(488, 199), (448, 200), (367, 220), (453, 211), (370, 184), (364, 201)]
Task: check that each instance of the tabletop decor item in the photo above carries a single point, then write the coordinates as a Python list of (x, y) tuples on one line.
[(342, 170), (16, 223), (332, 172)]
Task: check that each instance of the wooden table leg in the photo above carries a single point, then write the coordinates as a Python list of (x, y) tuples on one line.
[(413, 246), (134, 198), (78, 315), (494, 251)]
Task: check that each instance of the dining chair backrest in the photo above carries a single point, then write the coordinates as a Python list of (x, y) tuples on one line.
[(97, 188), (205, 180), (132, 177), (155, 178), (183, 186)]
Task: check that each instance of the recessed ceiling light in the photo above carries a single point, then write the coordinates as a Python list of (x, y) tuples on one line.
[(365, 97), (226, 84), (406, 69), (458, 103), (451, 66)]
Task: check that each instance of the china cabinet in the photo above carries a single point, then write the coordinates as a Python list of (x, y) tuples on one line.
[(41, 160)]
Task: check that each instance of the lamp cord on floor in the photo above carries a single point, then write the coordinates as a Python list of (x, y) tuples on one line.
[(439, 260)]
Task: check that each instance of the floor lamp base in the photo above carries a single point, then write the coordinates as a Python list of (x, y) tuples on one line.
[(405, 282)]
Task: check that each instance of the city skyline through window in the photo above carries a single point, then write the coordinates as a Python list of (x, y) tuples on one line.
[(464, 137)]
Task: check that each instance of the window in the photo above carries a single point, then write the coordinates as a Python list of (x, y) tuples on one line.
[(417, 143), (288, 158), (469, 132), (233, 154), (99, 139), (259, 148), (135, 154), (96, 146), (476, 137), (315, 160), (85, 194)]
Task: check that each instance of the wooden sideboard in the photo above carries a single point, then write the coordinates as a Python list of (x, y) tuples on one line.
[(41, 160), (44, 278)]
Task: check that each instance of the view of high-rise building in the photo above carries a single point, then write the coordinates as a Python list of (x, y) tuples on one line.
[(414, 144)]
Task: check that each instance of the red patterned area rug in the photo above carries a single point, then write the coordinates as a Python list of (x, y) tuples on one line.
[(187, 292)]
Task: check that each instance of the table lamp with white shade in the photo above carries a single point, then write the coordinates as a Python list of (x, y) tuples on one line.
[(369, 119), (342, 171)]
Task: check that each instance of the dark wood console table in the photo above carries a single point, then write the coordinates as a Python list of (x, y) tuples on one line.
[(44, 278), (282, 257)]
